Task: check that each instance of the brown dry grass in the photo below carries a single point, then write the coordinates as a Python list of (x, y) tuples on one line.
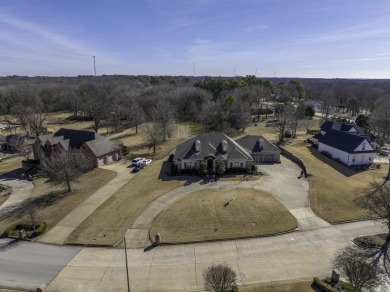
[(333, 186), (285, 286), (108, 224), (11, 166), (53, 212), (223, 214)]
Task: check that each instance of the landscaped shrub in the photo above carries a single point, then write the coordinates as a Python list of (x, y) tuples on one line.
[(125, 150), (254, 169), (220, 168), (202, 168), (288, 134), (40, 228)]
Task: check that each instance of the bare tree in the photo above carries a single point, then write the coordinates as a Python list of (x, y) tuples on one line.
[(96, 102), (18, 143), (163, 114), (153, 134), (353, 264), (136, 115), (284, 113), (32, 213), (65, 168), (36, 117), (380, 118), (376, 201), (219, 278)]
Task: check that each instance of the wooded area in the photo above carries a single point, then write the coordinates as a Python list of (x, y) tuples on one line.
[(116, 102)]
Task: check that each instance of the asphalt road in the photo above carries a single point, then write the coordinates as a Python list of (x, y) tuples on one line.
[(27, 265)]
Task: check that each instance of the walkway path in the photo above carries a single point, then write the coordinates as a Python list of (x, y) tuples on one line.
[(21, 191), (300, 254), (70, 222), (279, 179)]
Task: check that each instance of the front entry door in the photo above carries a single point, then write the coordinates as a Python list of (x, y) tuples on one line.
[(209, 164)]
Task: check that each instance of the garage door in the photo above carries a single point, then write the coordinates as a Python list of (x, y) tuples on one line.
[(269, 158)]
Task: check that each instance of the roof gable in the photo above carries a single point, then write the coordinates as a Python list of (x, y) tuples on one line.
[(211, 144), (252, 144)]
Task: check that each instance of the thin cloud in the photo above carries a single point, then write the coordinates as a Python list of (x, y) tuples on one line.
[(256, 28)]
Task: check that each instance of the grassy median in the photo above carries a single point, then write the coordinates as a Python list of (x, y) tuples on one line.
[(223, 214)]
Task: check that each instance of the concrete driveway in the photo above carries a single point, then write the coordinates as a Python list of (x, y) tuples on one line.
[(281, 180), (301, 254), (60, 232), (21, 191)]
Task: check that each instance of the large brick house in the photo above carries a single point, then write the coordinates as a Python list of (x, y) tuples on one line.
[(103, 150), (214, 146)]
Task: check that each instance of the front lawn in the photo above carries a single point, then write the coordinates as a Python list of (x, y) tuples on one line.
[(333, 186), (108, 224), (223, 214), (55, 203)]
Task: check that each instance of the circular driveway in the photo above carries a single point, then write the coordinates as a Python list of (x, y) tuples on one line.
[(281, 180)]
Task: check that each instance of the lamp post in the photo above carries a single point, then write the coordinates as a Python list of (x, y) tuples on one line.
[(127, 265), (388, 173)]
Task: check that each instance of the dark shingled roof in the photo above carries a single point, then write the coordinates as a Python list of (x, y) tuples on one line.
[(343, 141), (211, 145), (344, 127), (251, 143), (76, 139)]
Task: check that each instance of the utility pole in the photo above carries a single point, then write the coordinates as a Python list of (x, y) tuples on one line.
[(256, 72), (194, 70), (234, 71), (94, 65)]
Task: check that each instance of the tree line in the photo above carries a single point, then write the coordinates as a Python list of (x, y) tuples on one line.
[(115, 102)]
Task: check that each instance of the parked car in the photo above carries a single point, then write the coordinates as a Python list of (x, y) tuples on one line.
[(138, 168), (136, 160), (385, 150), (147, 161)]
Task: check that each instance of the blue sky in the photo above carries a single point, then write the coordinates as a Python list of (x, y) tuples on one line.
[(285, 38)]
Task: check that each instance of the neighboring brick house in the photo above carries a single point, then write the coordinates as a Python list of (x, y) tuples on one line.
[(213, 146), (103, 150)]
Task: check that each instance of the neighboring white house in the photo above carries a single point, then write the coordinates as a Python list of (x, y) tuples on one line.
[(349, 149), (349, 128)]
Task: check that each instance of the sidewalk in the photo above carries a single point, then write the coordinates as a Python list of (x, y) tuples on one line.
[(300, 254), (59, 233)]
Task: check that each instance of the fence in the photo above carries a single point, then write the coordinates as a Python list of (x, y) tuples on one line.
[(296, 159)]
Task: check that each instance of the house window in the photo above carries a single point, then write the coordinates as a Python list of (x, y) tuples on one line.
[(364, 146), (190, 165), (353, 160), (369, 159), (241, 164), (185, 165)]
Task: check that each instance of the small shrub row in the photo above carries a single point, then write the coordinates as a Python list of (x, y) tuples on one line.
[(312, 132), (40, 228), (323, 286), (237, 170), (188, 171)]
